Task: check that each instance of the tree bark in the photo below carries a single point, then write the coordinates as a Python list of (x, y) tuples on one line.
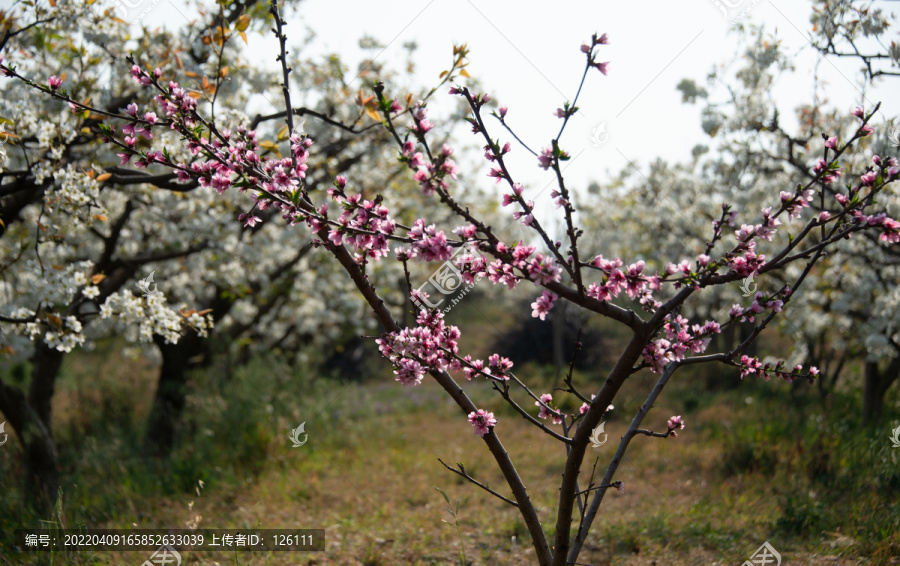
[(171, 391), (558, 322), (45, 364), (41, 465), (875, 388)]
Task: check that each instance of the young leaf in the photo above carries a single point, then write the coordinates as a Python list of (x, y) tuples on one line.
[(373, 114)]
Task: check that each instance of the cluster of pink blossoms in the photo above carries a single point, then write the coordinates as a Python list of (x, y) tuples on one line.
[(430, 175), (887, 169), (676, 422), (421, 124), (680, 339), (890, 228), (588, 48), (233, 157), (482, 421), (545, 159), (759, 305), (830, 174), (537, 267), (432, 346), (745, 261), (547, 410), (615, 280), (429, 243), (752, 366), (541, 307), (363, 224), (413, 351)]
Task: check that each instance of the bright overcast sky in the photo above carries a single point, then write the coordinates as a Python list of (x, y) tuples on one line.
[(527, 56)]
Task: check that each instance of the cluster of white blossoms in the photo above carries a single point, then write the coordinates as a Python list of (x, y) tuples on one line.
[(64, 335), (139, 318), (75, 194), (188, 237)]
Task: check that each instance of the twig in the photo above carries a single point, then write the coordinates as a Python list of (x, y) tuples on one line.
[(462, 472)]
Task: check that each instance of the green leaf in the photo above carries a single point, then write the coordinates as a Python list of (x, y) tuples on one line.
[(447, 499)]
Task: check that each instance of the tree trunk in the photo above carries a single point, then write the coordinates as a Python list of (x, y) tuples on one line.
[(558, 325), (168, 404), (752, 348), (41, 467), (45, 364), (728, 338), (876, 386), (828, 379)]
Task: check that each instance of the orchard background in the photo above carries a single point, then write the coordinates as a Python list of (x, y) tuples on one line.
[(190, 272)]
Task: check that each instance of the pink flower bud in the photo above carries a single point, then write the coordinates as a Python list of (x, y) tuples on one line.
[(675, 422)]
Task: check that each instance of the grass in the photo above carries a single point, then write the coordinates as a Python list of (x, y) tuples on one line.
[(758, 461)]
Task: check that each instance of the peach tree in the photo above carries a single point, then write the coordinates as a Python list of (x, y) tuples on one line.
[(361, 231)]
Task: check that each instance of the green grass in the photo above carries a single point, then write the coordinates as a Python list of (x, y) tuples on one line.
[(758, 461)]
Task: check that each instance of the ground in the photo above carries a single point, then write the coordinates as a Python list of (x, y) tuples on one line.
[(758, 461)]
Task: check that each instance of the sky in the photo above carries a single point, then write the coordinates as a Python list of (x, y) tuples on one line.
[(527, 56)]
